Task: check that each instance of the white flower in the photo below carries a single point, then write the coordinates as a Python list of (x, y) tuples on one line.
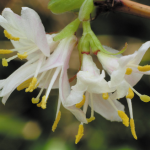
[(51, 74), (91, 83), (26, 33), (125, 72), (90, 80)]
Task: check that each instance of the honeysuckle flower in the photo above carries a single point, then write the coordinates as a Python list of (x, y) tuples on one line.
[(52, 73), (91, 82), (125, 72), (26, 33)]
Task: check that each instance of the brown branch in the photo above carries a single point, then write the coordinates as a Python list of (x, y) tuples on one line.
[(125, 6)]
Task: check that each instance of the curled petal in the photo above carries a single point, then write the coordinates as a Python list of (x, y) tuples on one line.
[(34, 29)]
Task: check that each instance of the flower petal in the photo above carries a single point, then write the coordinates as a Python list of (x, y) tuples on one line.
[(89, 66), (141, 52), (117, 76), (109, 62), (122, 89), (78, 113), (104, 108), (34, 29), (5, 98), (14, 21), (134, 77)]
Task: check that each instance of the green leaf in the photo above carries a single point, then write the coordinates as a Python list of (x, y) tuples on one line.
[(61, 6)]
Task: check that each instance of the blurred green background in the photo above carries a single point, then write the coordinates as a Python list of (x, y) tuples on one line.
[(23, 126)]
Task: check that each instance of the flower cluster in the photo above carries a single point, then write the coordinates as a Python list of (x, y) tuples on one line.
[(47, 58)]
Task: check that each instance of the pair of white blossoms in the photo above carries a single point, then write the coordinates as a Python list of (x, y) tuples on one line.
[(46, 68)]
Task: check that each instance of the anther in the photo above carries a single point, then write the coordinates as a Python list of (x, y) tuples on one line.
[(56, 121), (43, 105), (133, 128), (145, 98), (39, 104), (32, 85), (80, 133), (105, 96), (128, 71), (130, 94), (35, 100), (124, 117), (79, 105), (9, 36), (24, 85), (4, 51), (4, 62), (22, 56), (144, 68), (90, 119)]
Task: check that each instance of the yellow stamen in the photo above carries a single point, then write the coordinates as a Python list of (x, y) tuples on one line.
[(22, 56), (105, 96), (35, 100), (24, 85), (144, 68), (43, 105), (124, 117), (56, 121), (39, 104), (4, 62), (80, 133), (130, 94), (5, 51), (133, 128), (145, 98), (128, 71), (9, 36), (79, 105), (32, 85), (90, 119)]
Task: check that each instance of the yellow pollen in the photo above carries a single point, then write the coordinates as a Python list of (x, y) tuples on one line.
[(128, 71), (90, 119), (130, 94), (43, 105), (133, 128), (124, 117), (105, 96), (22, 56), (35, 100), (32, 85), (9, 36), (39, 104), (80, 134), (5, 51), (24, 85), (79, 105), (145, 98), (144, 68), (56, 121), (4, 62)]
